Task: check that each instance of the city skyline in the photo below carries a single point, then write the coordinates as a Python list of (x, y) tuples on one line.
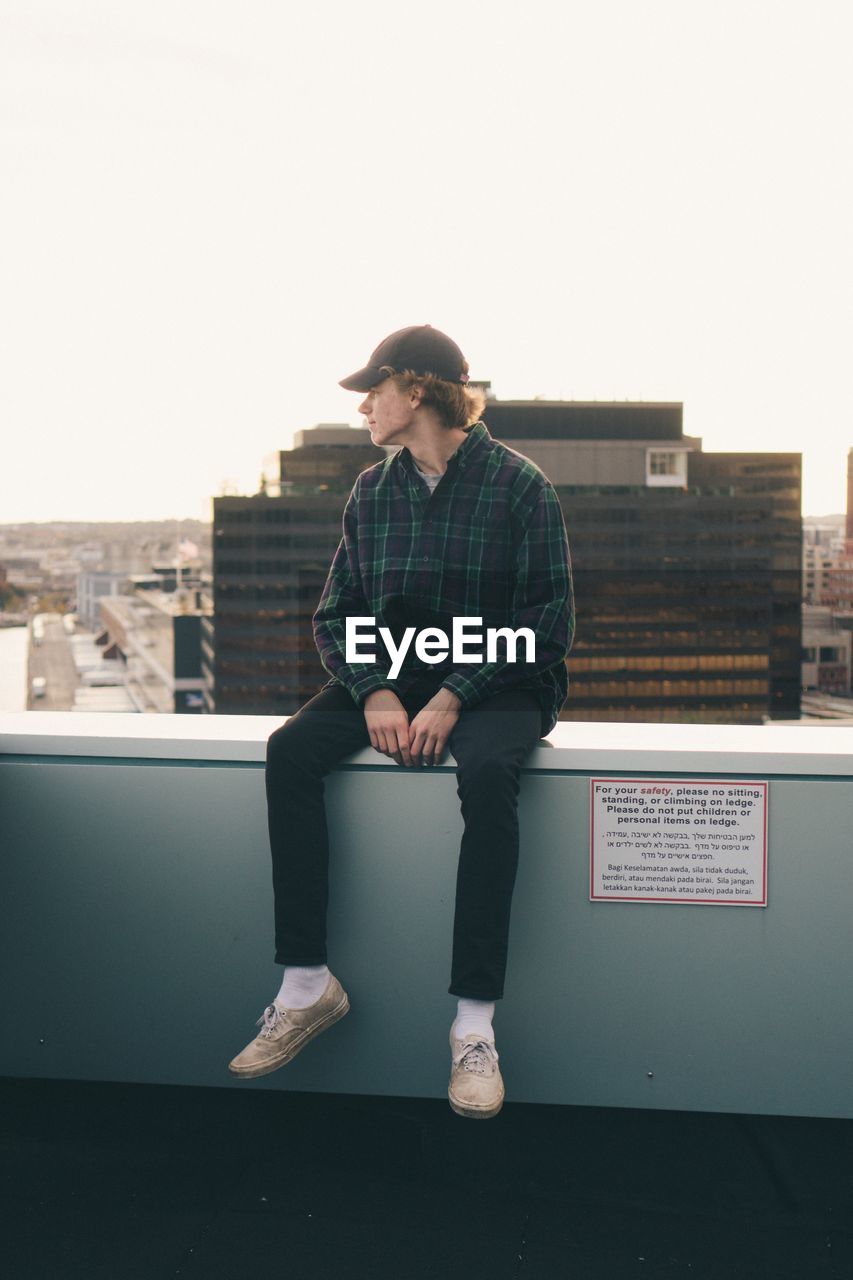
[(207, 223)]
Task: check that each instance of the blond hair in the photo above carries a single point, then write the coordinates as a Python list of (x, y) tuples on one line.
[(455, 403)]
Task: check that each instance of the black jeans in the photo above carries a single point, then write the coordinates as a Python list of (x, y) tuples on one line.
[(489, 742)]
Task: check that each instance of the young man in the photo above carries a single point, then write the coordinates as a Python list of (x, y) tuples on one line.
[(453, 525)]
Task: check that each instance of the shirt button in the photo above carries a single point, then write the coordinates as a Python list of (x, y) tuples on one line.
[(426, 557)]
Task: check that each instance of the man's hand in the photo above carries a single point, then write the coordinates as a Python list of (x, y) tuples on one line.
[(388, 725), (432, 726)]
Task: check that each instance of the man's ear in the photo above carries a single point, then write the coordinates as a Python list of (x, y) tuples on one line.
[(416, 392)]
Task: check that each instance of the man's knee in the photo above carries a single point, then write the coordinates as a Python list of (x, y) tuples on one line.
[(492, 772), (286, 745), (322, 732)]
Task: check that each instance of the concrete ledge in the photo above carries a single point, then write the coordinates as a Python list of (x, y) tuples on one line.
[(138, 933), (571, 747)]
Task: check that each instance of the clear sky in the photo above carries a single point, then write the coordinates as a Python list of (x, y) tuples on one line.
[(212, 211)]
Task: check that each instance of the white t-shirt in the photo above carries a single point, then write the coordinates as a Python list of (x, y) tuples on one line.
[(432, 481)]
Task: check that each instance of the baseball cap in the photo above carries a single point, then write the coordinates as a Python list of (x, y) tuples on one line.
[(419, 348)]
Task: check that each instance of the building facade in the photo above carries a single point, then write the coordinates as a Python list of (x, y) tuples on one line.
[(827, 649), (93, 586), (156, 638), (271, 554), (687, 566)]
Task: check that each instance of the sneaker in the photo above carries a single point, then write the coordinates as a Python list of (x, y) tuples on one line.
[(476, 1088), (286, 1031)]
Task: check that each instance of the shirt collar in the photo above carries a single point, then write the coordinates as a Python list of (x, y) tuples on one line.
[(474, 437)]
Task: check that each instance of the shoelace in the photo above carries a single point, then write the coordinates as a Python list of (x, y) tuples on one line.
[(270, 1018), (477, 1056)]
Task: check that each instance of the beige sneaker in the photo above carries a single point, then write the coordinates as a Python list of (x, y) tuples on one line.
[(286, 1031), (476, 1088)]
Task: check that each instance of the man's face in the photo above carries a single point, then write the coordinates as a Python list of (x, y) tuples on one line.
[(390, 413)]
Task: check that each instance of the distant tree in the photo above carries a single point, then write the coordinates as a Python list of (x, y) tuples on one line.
[(12, 599), (55, 602)]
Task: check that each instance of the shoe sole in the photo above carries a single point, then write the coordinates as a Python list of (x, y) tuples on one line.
[(266, 1068), (475, 1113)]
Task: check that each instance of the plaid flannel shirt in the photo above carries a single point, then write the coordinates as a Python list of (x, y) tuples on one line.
[(489, 542)]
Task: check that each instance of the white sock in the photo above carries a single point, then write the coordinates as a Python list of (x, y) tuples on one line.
[(302, 985), (474, 1018)]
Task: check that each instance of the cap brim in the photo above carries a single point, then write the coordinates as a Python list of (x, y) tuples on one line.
[(366, 378)]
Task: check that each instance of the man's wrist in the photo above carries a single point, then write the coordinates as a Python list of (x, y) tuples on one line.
[(384, 695)]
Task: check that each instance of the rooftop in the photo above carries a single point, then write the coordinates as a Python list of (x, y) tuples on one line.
[(584, 420), (140, 1182)]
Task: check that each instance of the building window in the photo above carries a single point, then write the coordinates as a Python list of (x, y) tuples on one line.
[(663, 464), (666, 467)]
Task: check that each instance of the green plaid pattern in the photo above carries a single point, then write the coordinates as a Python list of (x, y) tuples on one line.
[(489, 542)]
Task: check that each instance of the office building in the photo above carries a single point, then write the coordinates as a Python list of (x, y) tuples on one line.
[(849, 519), (93, 585), (827, 648), (155, 636), (686, 564), (271, 554)]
